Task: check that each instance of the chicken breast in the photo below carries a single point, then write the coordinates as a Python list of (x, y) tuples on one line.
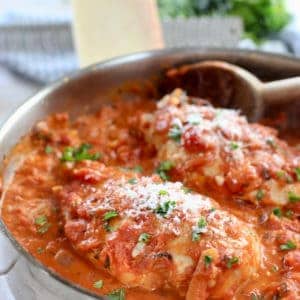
[(216, 150), (156, 235)]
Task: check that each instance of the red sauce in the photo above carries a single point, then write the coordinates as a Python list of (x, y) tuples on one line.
[(32, 212)]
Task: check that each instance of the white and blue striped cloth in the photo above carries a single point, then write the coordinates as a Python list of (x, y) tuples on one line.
[(36, 37)]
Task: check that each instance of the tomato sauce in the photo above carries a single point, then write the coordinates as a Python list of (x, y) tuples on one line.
[(31, 212)]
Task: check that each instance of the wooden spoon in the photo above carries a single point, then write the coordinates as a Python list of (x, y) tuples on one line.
[(235, 87)]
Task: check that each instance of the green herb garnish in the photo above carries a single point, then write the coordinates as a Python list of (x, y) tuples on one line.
[(163, 193), (195, 236), (79, 154), (271, 143), (175, 133), (260, 194), (187, 190), (283, 175), (109, 215), (138, 169), (48, 149), (289, 213), (297, 171), (275, 268), (164, 208), (202, 223), (163, 169), (280, 174), (117, 295), (277, 212), (132, 181), (42, 224), (194, 119), (288, 178), (232, 261), (234, 145), (144, 238), (289, 245), (293, 197), (41, 220), (40, 250), (98, 284), (201, 228), (207, 260)]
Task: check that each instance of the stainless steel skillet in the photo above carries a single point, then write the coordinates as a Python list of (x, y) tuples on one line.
[(79, 93)]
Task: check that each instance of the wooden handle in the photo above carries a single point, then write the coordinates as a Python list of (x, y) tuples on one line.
[(281, 91)]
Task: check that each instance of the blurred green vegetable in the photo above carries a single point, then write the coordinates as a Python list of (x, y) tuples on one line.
[(261, 17), (177, 8)]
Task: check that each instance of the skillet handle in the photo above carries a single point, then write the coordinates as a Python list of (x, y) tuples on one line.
[(281, 91), (8, 255)]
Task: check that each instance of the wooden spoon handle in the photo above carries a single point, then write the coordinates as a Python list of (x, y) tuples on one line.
[(281, 91)]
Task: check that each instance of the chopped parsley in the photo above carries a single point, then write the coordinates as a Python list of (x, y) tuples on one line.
[(40, 250), (194, 119), (163, 193), (48, 149), (144, 238), (175, 133), (293, 197), (212, 210), (117, 295), (234, 145), (275, 268), (163, 169), (107, 217), (277, 212), (207, 260), (283, 175), (98, 284), (43, 229), (187, 190), (202, 223), (201, 228), (280, 174), (195, 236), (271, 143), (138, 169), (132, 181), (41, 220), (289, 213), (260, 194), (232, 261), (289, 245), (79, 154), (288, 178), (42, 224), (107, 227), (297, 171), (164, 208)]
